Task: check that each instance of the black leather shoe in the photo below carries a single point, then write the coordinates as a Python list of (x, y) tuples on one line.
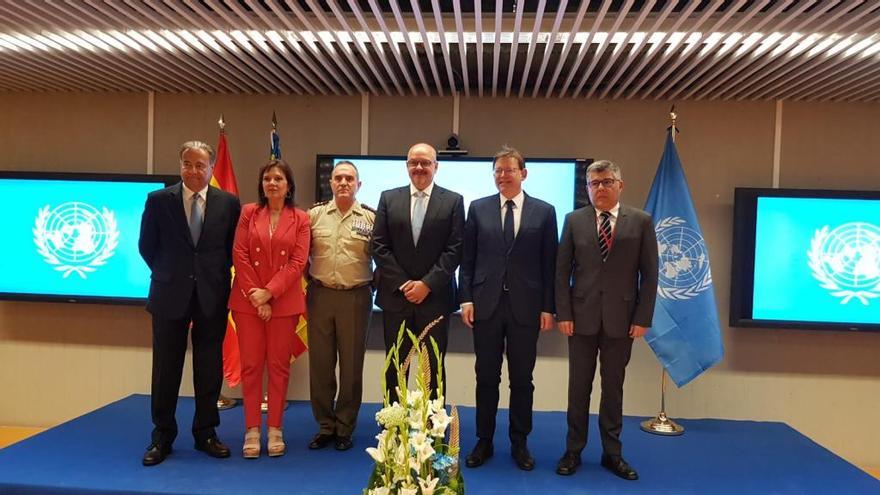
[(483, 450), (523, 458), (619, 467), (213, 447), (321, 440), (155, 454), (343, 443), (568, 464)]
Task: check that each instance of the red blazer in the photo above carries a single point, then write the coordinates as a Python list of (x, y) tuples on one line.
[(276, 264)]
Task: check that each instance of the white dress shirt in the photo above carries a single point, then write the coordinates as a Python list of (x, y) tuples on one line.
[(517, 210), (187, 201)]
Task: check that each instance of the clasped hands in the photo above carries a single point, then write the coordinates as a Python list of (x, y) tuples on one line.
[(415, 291), (259, 298)]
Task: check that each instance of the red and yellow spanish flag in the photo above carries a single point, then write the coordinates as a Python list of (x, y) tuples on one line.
[(224, 178)]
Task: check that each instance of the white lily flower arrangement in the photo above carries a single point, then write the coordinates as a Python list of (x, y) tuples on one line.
[(413, 455)]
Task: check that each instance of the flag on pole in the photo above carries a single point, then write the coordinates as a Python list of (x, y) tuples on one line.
[(686, 334), (224, 178), (301, 342)]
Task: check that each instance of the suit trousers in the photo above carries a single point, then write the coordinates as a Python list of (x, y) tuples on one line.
[(338, 321), (261, 343), (169, 353), (491, 338), (416, 320), (613, 355)]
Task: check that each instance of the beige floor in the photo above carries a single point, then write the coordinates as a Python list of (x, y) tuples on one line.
[(11, 434)]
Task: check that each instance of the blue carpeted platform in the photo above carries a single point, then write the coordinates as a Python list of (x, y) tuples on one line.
[(100, 452)]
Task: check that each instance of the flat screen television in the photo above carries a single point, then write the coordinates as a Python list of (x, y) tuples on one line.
[(558, 181), (806, 259), (74, 237)]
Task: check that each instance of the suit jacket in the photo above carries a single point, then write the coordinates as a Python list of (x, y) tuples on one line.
[(530, 263), (177, 265), (433, 261), (275, 264), (613, 294)]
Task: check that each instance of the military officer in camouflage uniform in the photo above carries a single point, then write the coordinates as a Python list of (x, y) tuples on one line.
[(339, 303)]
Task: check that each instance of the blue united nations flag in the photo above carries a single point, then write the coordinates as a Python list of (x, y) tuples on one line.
[(686, 335)]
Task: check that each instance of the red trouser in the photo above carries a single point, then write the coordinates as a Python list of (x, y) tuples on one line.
[(261, 343)]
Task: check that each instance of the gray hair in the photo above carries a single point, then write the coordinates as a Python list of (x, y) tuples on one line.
[(599, 166), (198, 145)]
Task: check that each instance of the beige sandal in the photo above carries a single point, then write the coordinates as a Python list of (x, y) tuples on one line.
[(276, 445), (251, 449)]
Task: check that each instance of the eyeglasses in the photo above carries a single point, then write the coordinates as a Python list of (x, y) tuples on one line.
[(505, 171), (606, 183), (419, 163)]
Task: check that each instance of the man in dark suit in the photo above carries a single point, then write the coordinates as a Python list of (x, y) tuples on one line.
[(186, 239), (506, 283), (417, 247), (606, 284)]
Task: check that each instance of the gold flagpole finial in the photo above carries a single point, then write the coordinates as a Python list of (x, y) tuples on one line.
[(221, 123), (673, 116), (274, 121)]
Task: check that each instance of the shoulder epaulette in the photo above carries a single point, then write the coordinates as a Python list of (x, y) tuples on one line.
[(320, 203), (368, 208)]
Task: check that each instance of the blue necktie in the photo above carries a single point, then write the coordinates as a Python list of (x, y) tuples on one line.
[(195, 219), (418, 216), (508, 223)]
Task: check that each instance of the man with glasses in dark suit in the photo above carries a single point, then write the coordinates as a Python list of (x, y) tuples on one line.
[(417, 247), (506, 283), (606, 285)]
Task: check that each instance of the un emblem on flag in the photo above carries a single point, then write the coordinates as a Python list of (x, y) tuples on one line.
[(75, 237), (846, 261), (684, 260)]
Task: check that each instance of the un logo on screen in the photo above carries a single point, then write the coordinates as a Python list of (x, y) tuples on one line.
[(75, 237), (846, 261), (684, 261)]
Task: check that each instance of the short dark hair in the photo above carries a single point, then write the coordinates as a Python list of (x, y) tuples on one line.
[(288, 174), (357, 174), (508, 152)]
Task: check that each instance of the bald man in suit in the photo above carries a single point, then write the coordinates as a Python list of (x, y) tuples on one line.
[(417, 246), (606, 285)]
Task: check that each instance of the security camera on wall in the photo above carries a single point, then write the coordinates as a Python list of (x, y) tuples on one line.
[(453, 147)]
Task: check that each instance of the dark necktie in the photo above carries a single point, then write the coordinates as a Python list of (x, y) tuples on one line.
[(195, 219), (508, 222), (605, 238)]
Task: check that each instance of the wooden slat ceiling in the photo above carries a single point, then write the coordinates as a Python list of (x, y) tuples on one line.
[(629, 49)]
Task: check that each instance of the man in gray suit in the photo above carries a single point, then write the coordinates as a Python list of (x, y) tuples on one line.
[(606, 284)]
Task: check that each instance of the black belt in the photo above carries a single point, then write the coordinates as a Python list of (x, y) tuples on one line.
[(338, 287)]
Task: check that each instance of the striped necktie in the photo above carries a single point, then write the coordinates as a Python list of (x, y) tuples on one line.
[(605, 234)]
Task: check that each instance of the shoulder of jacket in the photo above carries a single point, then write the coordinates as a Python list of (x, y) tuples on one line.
[(319, 204)]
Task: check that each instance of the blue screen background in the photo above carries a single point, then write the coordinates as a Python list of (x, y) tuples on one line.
[(785, 288), (24, 269), (551, 181)]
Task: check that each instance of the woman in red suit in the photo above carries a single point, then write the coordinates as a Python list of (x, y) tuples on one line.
[(270, 252)]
